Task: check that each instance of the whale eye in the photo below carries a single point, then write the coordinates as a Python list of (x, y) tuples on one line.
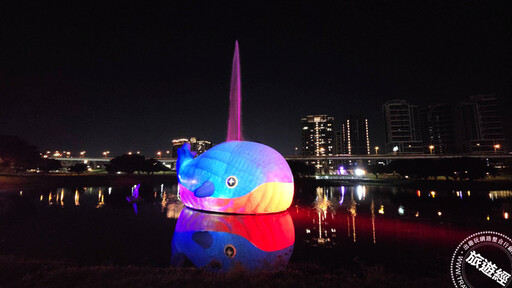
[(231, 182), (229, 251)]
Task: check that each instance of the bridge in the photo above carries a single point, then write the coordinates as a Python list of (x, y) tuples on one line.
[(171, 162), (99, 161), (377, 157)]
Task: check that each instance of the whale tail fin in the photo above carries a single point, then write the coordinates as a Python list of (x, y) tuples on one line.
[(184, 156)]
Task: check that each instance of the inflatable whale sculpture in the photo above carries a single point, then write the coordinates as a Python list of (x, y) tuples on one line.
[(221, 242), (239, 177)]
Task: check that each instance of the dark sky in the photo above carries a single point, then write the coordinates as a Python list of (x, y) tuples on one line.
[(125, 76)]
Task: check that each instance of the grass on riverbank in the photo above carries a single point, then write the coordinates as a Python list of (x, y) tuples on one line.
[(21, 272)]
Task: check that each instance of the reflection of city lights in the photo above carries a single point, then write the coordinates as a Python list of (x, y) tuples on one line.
[(439, 213), (505, 215), (21, 193), (342, 195), (41, 198), (469, 193), (401, 210), (361, 192), (418, 193), (417, 214), (308, 231), (488, 218), (77, 198), (433, 194), (381, 210)]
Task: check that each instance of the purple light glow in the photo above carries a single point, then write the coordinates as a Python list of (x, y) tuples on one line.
[(342, 171), (235, 101)]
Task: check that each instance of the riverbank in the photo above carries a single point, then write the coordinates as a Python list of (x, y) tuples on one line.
[(97, 179), (22, 272), (489, 183), (60, 180)]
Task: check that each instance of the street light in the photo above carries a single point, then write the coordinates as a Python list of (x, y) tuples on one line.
[(496, 147), (159, 153), (105, 153), (82, 154), (376, 149), (431, 147)]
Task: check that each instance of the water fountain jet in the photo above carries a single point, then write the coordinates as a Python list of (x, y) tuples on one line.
[(235, 100)]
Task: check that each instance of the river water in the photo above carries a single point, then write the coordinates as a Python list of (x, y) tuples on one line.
[(401, 229)]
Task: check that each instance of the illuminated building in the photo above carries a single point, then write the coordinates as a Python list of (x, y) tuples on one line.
[(199, 146), (403, 134), (318, 140), (355, 135)]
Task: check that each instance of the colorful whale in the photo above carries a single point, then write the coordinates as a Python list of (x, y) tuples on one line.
[(235, 177), (221, 242)]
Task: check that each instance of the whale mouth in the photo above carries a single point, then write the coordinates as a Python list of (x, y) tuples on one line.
[(205, 190)]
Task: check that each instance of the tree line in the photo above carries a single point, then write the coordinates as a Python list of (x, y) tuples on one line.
[(452, 169), (17, 155)]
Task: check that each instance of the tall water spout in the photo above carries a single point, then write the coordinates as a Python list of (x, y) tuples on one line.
[(235, 101)]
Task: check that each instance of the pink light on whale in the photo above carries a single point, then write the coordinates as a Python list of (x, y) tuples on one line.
[(235, 101)]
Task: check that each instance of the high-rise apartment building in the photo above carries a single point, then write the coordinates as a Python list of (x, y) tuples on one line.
[(318, 140), (438, 129), (355, 135), (479, 124), (402, 124)]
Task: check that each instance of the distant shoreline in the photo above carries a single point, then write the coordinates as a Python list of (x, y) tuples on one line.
[(59, 180), (48, 180)]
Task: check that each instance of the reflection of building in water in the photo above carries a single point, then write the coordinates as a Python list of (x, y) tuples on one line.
[(372, 210), (332, 211), (500, 194), (352, 211), (323, 232), (101, 199)]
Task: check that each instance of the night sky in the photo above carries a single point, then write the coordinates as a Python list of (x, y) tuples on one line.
[(126, 76)]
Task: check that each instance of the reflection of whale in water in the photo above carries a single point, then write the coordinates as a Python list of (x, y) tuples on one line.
[(222, 242), (235, 177)]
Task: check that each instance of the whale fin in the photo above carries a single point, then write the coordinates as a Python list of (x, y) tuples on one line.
[(205, 190), (184, 156)]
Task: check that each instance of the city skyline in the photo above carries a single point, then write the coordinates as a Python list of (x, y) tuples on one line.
[(80, 77)]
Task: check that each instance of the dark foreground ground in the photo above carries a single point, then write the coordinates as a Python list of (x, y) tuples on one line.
[(21, 272)]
